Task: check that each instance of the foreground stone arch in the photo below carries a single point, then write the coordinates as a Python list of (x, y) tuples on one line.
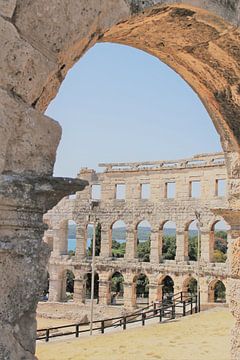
[(41, 40)]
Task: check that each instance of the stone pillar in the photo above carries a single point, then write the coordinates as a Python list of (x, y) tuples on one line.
[(55, 290), (153, 292), (131, 244), (130, 299), (232, 217), (23, 256), (207, 246), (106, 242), (79, 295), (104, 292), (156, 246), (81, 242), (181, 245), (204, 290)]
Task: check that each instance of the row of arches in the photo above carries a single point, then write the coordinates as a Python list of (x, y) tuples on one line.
[(115, 288), (142, 238)]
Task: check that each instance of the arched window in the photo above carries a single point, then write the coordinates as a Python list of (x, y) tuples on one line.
[(192, 236), (190, 286), (143, 241), (167, 289), (88, 282), (71, 237), (217, 292), (118, 231), (69, 285), (142, 289), (89, 243), (169, 241), (218, 239), (117, 288)]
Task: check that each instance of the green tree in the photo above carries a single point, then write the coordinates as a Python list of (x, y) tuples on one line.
[(98, 242), (169, 247), (118, 249), (70, 282), (192, 248), (142, 285), (143, 250)]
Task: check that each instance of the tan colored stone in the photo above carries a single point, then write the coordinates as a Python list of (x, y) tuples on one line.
[(7, 7), (28, 138)]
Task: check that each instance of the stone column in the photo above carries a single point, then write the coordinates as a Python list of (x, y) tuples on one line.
[(106, 242), (104, 292), (232, 217), (131, 244), (23, 256), (129, 295), (55, 283), (81, 242), (156, 246), (153, 292), (79, 295), (207, 245), (181, 245)]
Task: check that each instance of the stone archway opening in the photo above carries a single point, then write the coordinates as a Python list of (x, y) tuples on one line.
[(219, 241), (141, 289), (143, 241), (192, 236), (204, 51), (190, 286), (118, 238), (88, 282), (69, 285), (117, 288), (217, 292), (167, 289), (169, 240)]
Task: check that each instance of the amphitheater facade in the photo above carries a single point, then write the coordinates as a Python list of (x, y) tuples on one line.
[(119, 193)]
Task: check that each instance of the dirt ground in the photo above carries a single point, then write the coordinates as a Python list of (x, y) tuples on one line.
[(204, 336)]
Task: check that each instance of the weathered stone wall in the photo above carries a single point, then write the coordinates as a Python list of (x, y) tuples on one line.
[(40, 41), (158, 209)]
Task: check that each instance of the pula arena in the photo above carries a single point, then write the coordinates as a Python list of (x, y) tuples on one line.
[(133, 205), (40, 41)]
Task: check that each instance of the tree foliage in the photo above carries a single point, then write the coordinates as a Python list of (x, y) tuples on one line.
[(97, 244), (169, 247)]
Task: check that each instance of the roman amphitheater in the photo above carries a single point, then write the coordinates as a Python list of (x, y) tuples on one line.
[(40, 41), (132, 206)]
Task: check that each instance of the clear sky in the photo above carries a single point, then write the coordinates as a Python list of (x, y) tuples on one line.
[(121, 104)]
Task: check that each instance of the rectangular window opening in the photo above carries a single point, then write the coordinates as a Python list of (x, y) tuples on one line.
[(170, 190), (96, 192), (220, 187), (120, 191), (195, 189), (145, 191)]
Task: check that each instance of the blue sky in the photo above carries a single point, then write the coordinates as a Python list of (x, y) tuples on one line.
[(121, 104)]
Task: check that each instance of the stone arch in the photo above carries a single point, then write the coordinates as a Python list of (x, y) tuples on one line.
[(217, 291), (165, 287), (218, 244), (191, 236), (169, 243), (118, 229), (89, 239), (189, 286), (117, 287), (87, 285), (36, 58), (143, 238), (141, 289)]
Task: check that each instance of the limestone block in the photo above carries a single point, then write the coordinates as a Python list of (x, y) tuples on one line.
[(28, 139), (51, 26), (7, 7), (23, 69)]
